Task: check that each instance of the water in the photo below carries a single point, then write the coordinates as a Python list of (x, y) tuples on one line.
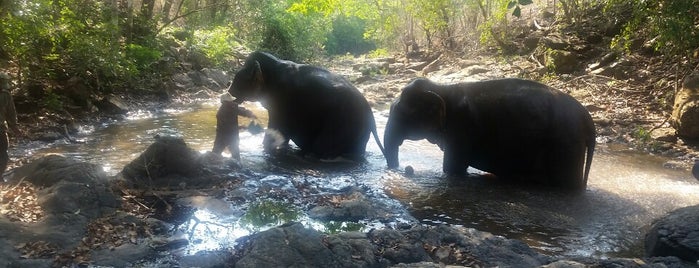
[(626, 190)]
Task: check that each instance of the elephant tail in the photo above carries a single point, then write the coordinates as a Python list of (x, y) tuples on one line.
[(376, 136), (591, 142)]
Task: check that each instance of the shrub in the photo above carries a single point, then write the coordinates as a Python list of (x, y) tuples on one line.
[(347, 36), (217, 43)]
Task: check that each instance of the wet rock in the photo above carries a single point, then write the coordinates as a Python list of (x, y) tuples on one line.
[(292, 245), (167, 157), (676, 234), (354, 208), (564, 264), (170, 163), (467, 247), (695, 169), (685, 112), (113, 105)]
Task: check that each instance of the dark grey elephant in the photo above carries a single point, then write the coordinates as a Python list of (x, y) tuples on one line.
[(321, 112), (516, 129)]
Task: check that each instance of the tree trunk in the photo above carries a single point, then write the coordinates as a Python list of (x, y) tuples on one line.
[(147, 9), (166, 10)]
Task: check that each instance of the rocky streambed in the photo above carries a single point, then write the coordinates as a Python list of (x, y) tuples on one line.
[(172, 205), (72, 213)]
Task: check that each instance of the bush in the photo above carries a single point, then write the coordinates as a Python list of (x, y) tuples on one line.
[(292, 35), (217, 43), (347, 36), (670, 24)]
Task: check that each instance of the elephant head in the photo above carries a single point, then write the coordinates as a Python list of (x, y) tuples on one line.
[(249, 81), (418, 113)]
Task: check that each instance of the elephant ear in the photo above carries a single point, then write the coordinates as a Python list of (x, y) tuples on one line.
[(431, 108), (257, 76)]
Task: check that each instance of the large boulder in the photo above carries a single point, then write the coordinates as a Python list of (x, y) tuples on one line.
[(170, 163), (685, 112), (676, 234), (71, 194), (168, 156), (69, 186)]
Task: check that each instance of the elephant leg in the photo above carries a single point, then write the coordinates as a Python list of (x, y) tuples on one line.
[(454, 161), (567, 166), (275, 136)]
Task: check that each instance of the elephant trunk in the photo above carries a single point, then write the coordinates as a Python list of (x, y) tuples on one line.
[(391, 140)]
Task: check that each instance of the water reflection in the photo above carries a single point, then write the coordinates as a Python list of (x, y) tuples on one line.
[(626, 190)]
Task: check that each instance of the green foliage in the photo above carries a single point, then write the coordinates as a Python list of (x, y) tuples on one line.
[(641, 136), (52, 102), (217, 43), (347, 36), (142, 56), (378, 53), (55, 40), (670, 24), (291, 34)]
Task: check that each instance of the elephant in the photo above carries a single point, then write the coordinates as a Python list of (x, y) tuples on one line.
[(321, 112), (515, 129)]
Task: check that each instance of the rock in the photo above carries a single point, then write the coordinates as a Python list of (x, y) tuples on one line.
[(409, 171), (604, 61), (619, 69), (695, 169), (555, 42), (561, 61), (292, 245), (421, 243), (72, 193), (170, 163), (167, 156), (218, 76), (564, 264), (474, 70), (198, 59), (665, 134), (182, 81), (676, 234), (113, 105), (685, 112), (354, 208), (69, 187), (531, 42), (77, 91)]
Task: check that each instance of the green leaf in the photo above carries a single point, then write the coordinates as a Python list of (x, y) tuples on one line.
[(525, 2), (517, 12), (511, 4)]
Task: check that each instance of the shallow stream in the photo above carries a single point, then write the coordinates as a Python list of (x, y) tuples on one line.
[(626, 190)]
